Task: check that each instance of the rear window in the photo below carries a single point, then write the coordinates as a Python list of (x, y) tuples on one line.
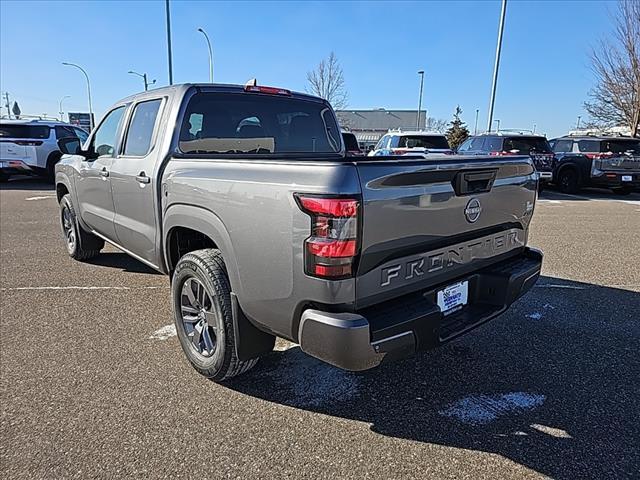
[(24, 131), (620, 146), (350, 142), (246, 123), (423, 141), (526, 145)]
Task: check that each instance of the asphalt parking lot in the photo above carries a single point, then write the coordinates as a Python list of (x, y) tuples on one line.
[(94, 383)]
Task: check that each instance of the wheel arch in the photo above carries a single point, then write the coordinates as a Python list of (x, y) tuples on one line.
[(199, 228)]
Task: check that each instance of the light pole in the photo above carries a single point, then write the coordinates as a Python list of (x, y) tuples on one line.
[(61, 111), (421, 73), (144, 79), (497, 65), (475, 128), (497, 126), (534, 128), (210, 54), (578, 122), (88, 90), (166, 5)]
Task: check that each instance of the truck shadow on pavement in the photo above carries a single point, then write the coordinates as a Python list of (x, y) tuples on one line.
[(553, 385), (121, 260), (27, 183), (586, 194)]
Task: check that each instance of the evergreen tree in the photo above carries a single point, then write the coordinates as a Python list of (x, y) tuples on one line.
[(458, 131)]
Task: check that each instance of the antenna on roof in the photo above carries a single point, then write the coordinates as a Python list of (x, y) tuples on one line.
[(251, 83)]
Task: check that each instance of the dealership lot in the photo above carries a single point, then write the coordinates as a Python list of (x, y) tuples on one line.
[(94, 383)]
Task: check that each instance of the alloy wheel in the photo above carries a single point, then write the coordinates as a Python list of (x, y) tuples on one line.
[(199, 317)]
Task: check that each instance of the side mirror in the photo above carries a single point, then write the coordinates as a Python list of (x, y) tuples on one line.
[(69, 145)]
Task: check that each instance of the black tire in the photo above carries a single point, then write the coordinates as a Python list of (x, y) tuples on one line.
[(622, 191), (541, 187), (568, 181), (4, 177), (81, 245), (203, 273), (50, 173)]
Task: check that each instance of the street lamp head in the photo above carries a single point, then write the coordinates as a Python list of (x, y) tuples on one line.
[(200, 30), (420, 72)]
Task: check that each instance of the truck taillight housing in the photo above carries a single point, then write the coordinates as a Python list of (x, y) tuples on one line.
[(332, 249)]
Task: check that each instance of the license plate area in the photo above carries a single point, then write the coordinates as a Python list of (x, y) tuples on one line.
[(453, 297), (627, 178)]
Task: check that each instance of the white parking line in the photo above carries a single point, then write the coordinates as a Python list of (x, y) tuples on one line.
[(555, 285), (79, 288), (43, 197)]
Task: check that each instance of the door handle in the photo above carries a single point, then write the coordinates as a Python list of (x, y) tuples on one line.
[(104, 172), (142, 178)]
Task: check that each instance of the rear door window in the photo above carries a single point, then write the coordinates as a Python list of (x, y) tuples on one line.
[(588, 145), (527, 145), (563, 145), (140, 133), (423, 141), (247, 123), (8, 130), (478, 143)]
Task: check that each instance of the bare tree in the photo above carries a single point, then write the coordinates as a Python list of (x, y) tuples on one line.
[(327, 81), (615, 100), (436, 125)]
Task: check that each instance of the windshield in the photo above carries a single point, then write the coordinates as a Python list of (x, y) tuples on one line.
[(350, 142), (8, 130), (620, 146), (527, 145), (423, 141), (248, 123)]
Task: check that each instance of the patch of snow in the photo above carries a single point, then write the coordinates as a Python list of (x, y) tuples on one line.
[(164, 333), (554, 432), (534, 316), (483, 409)]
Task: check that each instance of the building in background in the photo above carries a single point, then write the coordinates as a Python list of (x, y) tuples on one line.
[(82, 120), (369, 125)]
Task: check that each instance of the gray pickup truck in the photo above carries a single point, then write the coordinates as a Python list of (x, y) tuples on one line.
[(245, 197)]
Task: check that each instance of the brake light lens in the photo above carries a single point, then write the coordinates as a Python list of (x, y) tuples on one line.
[(267, 90), (332, 248)]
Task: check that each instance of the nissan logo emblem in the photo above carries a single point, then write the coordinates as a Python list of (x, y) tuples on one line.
[(473, 210)]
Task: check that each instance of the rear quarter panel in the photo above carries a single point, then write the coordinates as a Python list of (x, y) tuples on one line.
[(261, 230)]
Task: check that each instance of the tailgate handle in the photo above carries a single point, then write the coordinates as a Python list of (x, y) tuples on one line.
[(467, 183)]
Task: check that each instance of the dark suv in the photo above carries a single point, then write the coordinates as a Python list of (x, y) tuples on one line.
[(509, 143), (597, 161)]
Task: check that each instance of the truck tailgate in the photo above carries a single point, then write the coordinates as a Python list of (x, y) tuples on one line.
[(428, 221)]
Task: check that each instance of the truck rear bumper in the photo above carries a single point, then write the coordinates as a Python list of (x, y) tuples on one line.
[(401, 327)]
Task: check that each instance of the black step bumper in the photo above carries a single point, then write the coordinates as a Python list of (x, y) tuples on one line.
[(403, 326)]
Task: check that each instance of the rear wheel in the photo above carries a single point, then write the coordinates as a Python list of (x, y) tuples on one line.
[(4, 177), (568, 181), (81, 245), (201, 296), (622, 191)]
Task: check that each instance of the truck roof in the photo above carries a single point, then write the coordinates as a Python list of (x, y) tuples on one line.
[(182, 88)]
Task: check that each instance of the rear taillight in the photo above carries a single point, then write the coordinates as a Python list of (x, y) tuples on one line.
[(268, 90), (28, 143), (332, 249), (500, 154)]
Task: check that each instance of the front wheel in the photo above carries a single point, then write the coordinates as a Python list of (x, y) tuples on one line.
[(4, 177), (622, 191), (81, 245), (202, 312)]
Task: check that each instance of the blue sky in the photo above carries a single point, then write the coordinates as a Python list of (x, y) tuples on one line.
[(544, 76)]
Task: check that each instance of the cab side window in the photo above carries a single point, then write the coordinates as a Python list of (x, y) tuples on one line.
[(466, 145), (562, 145), (140, 133), (383, 142), (106, 136)]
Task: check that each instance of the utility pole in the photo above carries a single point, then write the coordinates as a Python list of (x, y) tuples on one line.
[(498, 125), (421, 73), (578, 122), (61, 111), (534, 128), (144, 79), (475, 128), (86, 76), (166, 4), (210, 54), (497, 65), (5, 95)]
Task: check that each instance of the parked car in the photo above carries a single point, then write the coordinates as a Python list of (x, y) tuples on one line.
[(351, 144), (513, 143), (30, 146), (597, 161), (417, 143), (246, 198)]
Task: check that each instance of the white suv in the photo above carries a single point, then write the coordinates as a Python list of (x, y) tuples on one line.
[(411, 143), (31, 146)]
